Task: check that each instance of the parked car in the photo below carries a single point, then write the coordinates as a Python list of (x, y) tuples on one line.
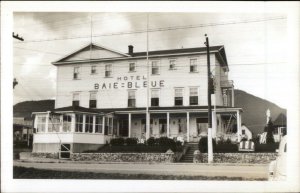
[(277, 168)]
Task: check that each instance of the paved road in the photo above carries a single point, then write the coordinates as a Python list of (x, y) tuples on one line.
[(245, 171)]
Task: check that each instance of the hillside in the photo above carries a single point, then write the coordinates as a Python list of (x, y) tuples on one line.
[(24, 109), (254, 110)]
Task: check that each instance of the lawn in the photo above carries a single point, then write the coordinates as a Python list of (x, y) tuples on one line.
[(32, 173)]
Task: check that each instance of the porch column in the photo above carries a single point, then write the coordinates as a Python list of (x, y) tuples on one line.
[(94, 123), (232, 97), (35, 122), (83, 124), (129, 124), (168, 124), (238, 121), (73, 122), (61, 125), (188, 126), (118, 127), (147, 125), (47, 122), (103, 124)]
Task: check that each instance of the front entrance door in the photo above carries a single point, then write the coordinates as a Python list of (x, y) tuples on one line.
[(123, 127)]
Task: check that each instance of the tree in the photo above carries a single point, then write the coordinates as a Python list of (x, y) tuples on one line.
[(270, 128)]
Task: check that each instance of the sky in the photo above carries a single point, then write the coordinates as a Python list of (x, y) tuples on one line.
[(255, 45)]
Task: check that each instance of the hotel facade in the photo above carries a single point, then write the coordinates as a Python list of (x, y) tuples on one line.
[(102, 93)]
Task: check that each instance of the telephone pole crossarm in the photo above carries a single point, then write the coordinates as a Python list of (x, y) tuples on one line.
[(17, 37)]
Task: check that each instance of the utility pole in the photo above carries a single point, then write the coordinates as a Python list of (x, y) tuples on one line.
[(209, 129), (15, 82), (17, 37), (148, 134)]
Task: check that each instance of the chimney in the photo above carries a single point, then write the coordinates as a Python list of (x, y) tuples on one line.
[(130, 50)]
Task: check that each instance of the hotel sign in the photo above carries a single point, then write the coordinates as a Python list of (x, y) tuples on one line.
[(129, 82)]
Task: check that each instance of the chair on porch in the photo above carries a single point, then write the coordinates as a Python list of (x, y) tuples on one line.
[(181, 139)]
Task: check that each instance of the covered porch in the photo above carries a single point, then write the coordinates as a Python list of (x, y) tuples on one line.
[(188, 123)]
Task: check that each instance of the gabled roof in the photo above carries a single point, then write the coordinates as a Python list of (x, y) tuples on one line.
[(219, 50), (89, 47), (280, 120)]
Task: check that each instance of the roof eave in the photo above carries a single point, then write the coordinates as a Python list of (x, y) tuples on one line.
[(131, 57)]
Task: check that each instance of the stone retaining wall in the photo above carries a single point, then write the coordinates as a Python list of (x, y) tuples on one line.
[(53, 155), (253, 158), (126, 157)]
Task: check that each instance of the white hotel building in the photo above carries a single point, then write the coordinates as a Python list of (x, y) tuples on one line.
[(102, 93)]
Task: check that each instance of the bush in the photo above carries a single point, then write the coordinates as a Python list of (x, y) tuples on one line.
[(151, 141), (226, 148), (203, 144), (131, 141), (228, 141), (117, 141), (266, 147)]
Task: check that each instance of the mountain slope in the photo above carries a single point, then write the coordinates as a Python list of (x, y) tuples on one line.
[(254, 110), (24, 109)]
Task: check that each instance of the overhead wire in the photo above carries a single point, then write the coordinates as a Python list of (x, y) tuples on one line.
[(156, 30)]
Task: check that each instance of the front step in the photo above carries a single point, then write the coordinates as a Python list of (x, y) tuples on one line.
[(189, 156)]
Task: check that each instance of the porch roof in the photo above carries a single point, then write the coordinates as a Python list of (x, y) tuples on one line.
[(171, 109), (76, 109)]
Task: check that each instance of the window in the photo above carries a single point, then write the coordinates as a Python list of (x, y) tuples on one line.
[(93, 70), (41, 124), (172, 64), (154, 98), (53, 123), (193, 96), (93, 100), (89, 124), (155, 67), (98, 124), (131, 67), (79, 123), (108, 70), (131, 98), (75, 102), (178, 96), (243, 132), (193, 65), (67, 119), (76, 73)]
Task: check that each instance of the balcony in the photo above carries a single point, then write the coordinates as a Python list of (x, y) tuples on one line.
[(227, 84)]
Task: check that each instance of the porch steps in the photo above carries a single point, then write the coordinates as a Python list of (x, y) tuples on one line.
[(188, 157)]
